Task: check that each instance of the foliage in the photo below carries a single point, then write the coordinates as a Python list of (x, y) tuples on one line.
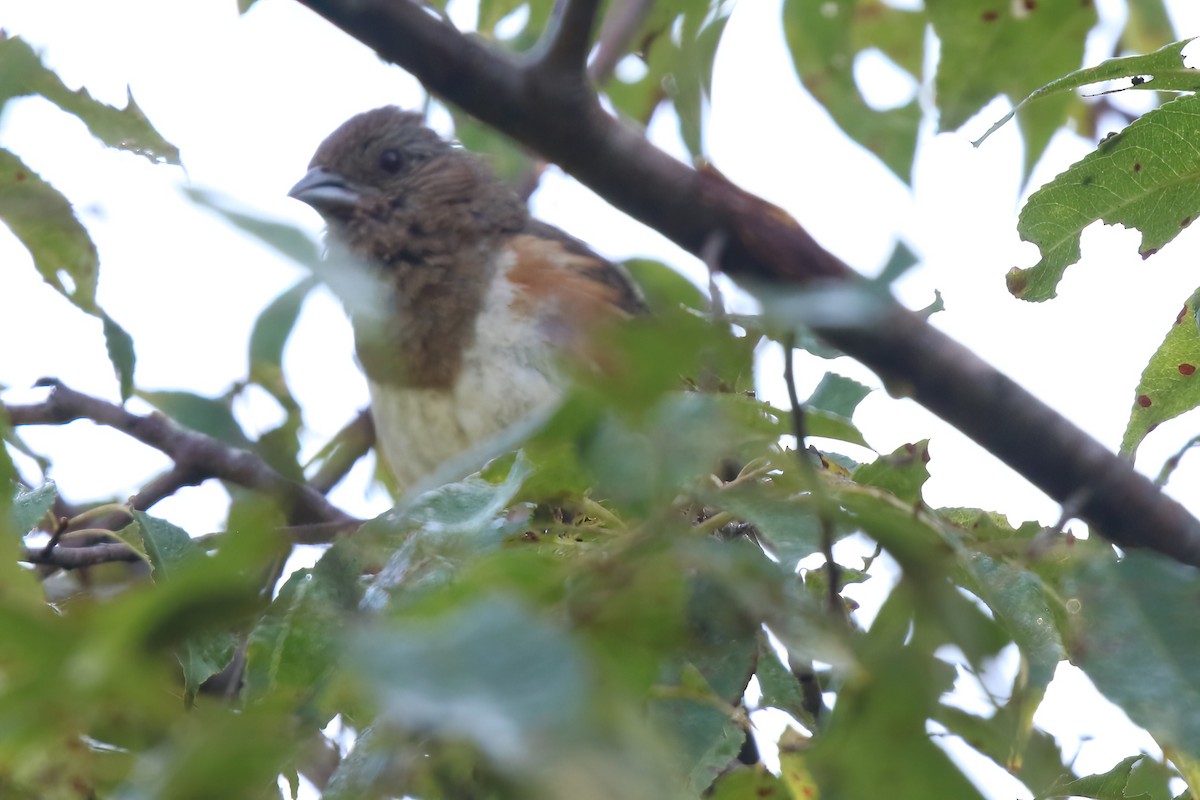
[(470, 644)]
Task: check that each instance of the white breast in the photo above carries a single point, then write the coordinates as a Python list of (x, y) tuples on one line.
[(507, 374)]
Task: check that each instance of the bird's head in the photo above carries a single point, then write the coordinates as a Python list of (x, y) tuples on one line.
[(384, 175)]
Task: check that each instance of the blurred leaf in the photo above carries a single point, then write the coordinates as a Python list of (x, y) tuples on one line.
[(786, 523), (1110, 785), (269, 336), (664, 288), (899, 262), (120, 352), (509, 160), (837, 394), (1031, 755), (23, 73), (295, 647), (991, 47), (1169, 385), (286, 239), (749, 783), (875, 742), (28, 508), (780, 687), (1138, 178), (1143, 604), (825, 39), (1022, 604), (44, 222), (1148, 26), (203, 653), (903, 472), (207, 415), (492, 672)]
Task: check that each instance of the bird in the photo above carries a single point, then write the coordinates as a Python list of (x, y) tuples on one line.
[(462, 304)]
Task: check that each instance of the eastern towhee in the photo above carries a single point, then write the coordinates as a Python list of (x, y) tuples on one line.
[(461, 303)]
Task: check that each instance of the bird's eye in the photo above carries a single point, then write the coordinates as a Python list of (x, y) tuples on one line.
[(391, 161)]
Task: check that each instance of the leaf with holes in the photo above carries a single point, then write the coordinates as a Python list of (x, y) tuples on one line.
[(1169, 384), (1145, 177), (825, 40), (998, 47), (1162, 70)]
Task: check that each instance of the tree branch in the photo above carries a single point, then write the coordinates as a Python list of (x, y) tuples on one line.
[(76, 557), (764, 243), (196, 456), (567, 40)]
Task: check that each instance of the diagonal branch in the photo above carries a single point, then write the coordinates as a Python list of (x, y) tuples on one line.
[(567, 40), (196, 456), (764, 244)]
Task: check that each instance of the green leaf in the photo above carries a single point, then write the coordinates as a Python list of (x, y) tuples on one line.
[(1109, 785), (1141, 178), (295, 647), (903, 472), (119, 344), (780, 687), (1148, 26), (1165, 68), (837, 394), (1137, 637), (22, 73), (1022, 604), (787, 524), (992, 47), (44, 222), (28, 508), (749, 783), (664, 288), (1169, 385), (269, 336), (204, 651), (492, 672), (168, 546), (826, 38), (509, 160), (208, 415)]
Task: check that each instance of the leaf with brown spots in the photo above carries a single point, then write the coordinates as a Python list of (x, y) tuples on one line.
[(996, 47), (1147, 178), (1169, 384)]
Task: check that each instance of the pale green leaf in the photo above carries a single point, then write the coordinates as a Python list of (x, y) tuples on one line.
[(1169, 385)]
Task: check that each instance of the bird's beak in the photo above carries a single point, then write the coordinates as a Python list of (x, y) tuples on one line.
[(325, 191)]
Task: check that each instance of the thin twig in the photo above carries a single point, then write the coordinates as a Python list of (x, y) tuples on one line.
[(348, 445), (816, 488), (193, 453), (76, 557)]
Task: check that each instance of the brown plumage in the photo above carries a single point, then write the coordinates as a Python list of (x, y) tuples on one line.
[(460, 301)]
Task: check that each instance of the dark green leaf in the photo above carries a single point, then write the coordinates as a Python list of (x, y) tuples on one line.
[(665, 288), (1143, 604), (1139, 178), (119, 344), (1105, 786)]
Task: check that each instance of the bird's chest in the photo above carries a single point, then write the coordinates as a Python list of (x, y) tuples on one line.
[(505, 373)]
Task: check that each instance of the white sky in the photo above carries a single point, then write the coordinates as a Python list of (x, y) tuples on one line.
[(247, 99)]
